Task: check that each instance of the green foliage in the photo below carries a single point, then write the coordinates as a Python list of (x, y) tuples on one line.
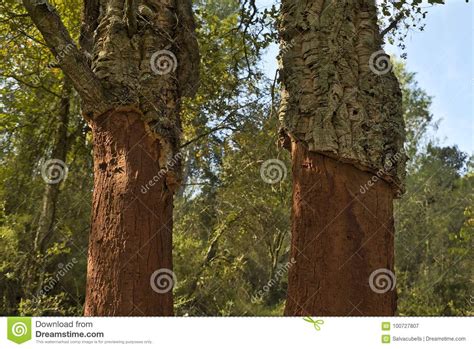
[(416, 104), (399, 17), (31, 90), (434, 236), (228, 222)]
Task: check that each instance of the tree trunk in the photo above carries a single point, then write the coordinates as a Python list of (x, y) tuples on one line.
[(51, 191), (342, 120), (131, 230), (339, 237), (54, 177), (137, 59)]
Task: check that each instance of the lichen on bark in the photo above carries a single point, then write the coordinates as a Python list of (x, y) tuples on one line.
[(332, 100)]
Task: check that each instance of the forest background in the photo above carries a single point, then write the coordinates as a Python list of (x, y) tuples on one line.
[(231, 233)]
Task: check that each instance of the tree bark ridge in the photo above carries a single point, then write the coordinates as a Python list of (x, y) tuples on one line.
[(337, 96)]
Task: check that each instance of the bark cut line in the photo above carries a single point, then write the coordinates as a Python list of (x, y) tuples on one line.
[(343, 122), (331, 100), (339, 237)]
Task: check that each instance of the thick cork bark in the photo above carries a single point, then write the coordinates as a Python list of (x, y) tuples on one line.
[(131, 230), (341, 114), (339, 96), (137, 59), (339, 238)]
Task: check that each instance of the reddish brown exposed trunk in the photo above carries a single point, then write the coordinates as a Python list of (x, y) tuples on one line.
[(131, 230), (142, 54), (341, 234)]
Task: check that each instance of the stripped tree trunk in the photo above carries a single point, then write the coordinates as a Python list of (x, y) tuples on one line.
[(137, 59), (131, 231), (342, 121)]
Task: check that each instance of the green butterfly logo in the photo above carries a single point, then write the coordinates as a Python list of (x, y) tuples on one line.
[(316, 323)]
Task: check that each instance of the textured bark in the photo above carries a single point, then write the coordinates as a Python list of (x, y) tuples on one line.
[(339, 237), (124, 64), (131, 233), (134, 228), (332, 101), (132, 103), (343, 123)]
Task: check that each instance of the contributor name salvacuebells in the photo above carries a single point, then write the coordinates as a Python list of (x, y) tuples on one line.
[(427, 339)]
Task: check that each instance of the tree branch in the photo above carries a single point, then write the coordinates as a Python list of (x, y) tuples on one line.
[(393, 25), (29, 84), (207, 133), (71, 60)]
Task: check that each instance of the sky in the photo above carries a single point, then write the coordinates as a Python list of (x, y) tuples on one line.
[(442, 57)]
